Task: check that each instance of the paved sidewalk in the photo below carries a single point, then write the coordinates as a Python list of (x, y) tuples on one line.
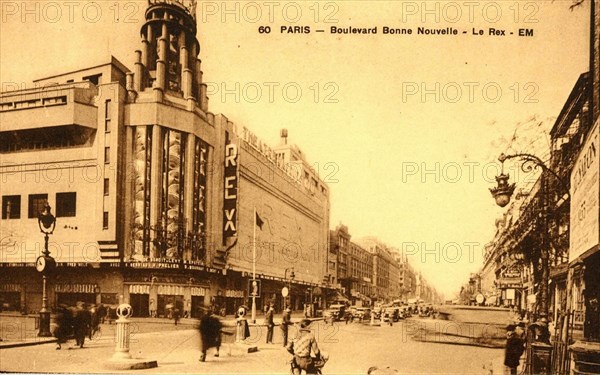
[(20, 330), (176, 351), (4, 344)]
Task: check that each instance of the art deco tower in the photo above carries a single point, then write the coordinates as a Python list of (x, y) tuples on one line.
[(168, 61), (172, 135)]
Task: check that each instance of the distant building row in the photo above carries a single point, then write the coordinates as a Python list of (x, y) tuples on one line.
[(370, 271)]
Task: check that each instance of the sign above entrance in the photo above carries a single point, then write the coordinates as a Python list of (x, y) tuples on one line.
[(585, 209)]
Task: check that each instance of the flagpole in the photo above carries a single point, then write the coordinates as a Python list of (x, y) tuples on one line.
[(254, 266)]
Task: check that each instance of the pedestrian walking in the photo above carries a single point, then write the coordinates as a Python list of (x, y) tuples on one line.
[(95, 320), (270, 324), (348, 316), (210, 333), (82, 320), (64, 325), (176, 315), (515, 346), (305, 350), (286, 321)]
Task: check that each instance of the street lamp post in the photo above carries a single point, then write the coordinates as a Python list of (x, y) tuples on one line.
[(45, 264), (541, 351), (292, 276), (502, 194)]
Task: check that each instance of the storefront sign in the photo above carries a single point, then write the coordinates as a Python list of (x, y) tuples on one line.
[(512, 272), (506, 282), (197, 291), (17, 264), (585, 211), (230, 193), (154, 264), (169, 264)]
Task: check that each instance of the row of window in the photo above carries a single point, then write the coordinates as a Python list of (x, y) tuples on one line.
[(66, 205)]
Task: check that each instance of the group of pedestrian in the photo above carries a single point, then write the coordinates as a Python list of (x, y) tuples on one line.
[(80, 320), (286, 321), (77, 322)]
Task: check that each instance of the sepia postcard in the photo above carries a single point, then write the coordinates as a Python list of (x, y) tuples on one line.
[(290, 187)]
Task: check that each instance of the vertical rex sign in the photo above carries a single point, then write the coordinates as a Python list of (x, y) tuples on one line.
[(230, 190)]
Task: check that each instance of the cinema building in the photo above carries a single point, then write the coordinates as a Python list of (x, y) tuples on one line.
[(154, 196)]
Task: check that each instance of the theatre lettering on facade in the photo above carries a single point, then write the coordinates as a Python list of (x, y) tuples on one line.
[(154, 195)]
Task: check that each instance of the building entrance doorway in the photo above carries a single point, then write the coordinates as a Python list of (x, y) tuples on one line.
[(140, 304)]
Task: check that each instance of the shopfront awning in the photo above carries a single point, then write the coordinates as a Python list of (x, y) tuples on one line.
[(340, 297)]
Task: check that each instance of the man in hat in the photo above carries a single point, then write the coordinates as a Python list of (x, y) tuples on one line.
[(285, 322), (304, 347), (269, 320), (515, 346)]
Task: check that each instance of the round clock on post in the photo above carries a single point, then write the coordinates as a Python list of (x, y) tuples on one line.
[(45, 264)]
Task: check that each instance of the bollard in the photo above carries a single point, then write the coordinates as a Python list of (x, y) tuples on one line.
[(122, 359), (239, 332), (241, 345), (124, 311), (372, 319)]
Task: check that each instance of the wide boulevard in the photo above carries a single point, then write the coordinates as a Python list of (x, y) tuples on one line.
[(353, 349)]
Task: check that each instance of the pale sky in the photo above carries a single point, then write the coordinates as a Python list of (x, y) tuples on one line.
[(361, 107)]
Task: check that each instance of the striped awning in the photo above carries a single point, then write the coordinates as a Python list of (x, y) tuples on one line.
[(198, 292), (75, 288), (173, 290), (10, 288), (139, 289)]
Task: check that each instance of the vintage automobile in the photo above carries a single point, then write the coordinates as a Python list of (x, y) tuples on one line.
[(335, 311), (362, 313), (376, 311), (392, 313)]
